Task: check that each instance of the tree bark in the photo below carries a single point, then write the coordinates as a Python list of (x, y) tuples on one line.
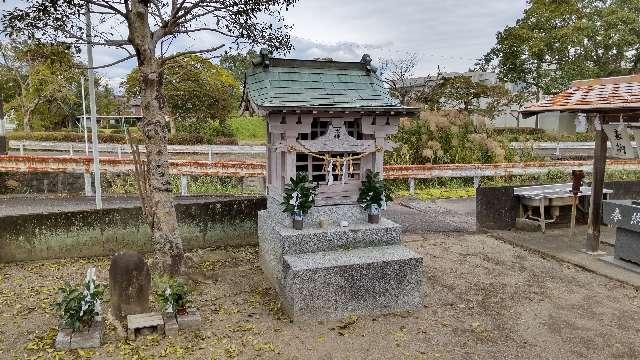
[(164, 224), (26, 121)]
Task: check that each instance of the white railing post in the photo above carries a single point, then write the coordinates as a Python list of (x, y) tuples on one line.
[(476, 182), (21, 149), (184, 185), (119, 152), (87, 184), (71, 150), (412, 186), (210, 154)]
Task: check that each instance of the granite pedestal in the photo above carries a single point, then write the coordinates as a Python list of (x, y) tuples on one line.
[(625, 215), (338, 271)]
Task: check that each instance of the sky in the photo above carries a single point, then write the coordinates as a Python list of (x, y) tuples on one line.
[(451, 34)]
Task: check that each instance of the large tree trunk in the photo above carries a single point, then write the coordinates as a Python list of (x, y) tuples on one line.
[(164, 224)]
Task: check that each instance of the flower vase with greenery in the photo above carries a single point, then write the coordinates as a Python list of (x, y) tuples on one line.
[(373, 196), (79, 306), (299, 198), (172, 294)]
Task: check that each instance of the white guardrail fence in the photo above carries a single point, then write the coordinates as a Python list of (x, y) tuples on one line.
[(185, 168)]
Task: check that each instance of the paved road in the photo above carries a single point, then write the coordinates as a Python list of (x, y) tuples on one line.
[(20, 205), (446, 215)]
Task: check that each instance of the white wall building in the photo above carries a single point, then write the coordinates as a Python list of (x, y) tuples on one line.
[(510, 118)]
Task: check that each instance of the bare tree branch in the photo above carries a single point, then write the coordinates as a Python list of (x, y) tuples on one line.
[(191, 52), (112, 63)]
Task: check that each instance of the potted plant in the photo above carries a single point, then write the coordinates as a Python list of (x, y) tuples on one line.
[(172, 294), (373, 196), (79, 306), (299, 197)]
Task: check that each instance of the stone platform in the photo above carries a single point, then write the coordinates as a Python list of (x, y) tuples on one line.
[(339, 271)]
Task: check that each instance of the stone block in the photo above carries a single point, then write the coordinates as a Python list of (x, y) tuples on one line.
[(334, 214), (129, 284), (63, 339), (81, 339), (331, 285), (627, 245), (277, 240), (191, 320), (140, 323), (496, 208), (170, 324)]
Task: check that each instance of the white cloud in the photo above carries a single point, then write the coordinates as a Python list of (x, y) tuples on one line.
[(446, 33)]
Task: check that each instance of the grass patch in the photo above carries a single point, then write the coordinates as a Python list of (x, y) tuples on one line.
[(440, 193), (249, 129)]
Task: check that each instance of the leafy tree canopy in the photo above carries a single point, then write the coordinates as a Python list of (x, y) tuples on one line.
[(556, 42), (40, 83), (200, 94), (470, 97), (238, 63)]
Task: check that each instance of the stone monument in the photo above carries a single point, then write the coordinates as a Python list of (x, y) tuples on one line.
[(129, 284), (625, 216), (330, 119)]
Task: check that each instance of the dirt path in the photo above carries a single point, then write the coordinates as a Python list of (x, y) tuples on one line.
[(483, 299)]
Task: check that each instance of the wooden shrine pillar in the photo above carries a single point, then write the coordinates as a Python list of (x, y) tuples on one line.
[(592, 244)]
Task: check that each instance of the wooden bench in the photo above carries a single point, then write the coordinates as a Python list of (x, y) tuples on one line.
[(554, 195)]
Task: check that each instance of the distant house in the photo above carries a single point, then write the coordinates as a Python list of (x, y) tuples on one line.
[(510, 116)]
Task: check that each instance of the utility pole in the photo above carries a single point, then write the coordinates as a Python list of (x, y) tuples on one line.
[(92, 106), (4, 143), (84, 118)]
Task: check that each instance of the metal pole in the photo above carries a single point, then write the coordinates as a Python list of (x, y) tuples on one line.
[(92, 107), (84, 118)]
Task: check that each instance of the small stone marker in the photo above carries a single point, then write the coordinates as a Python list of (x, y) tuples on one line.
[(130, 284), (170, 324), (191, 320), (142, 324), (68, 339)]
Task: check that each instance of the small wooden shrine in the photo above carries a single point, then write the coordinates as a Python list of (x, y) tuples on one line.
[(611, 105), (327, 118), (330, 119)]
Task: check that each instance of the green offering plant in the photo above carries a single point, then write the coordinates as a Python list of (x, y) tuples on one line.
[(299, 195), (78, 306), (372, 195), (298, 198), (172, 294)]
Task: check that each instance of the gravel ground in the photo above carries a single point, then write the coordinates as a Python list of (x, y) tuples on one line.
[(482, 299)]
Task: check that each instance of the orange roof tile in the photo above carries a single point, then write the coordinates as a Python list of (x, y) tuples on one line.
[(616, 93)]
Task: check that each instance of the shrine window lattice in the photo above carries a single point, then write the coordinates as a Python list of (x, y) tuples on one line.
[(314, 166)]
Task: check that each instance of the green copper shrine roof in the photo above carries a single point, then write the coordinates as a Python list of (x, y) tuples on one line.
[(309, 84)]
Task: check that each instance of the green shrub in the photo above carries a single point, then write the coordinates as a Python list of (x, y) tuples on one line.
[(171, 293)]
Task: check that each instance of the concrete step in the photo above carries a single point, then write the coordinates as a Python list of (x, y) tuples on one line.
[(334, 284)]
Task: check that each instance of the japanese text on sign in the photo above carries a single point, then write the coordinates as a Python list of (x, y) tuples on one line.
[(620, 143)]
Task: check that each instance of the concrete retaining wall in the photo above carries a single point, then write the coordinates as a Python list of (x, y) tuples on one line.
[(202, 223)]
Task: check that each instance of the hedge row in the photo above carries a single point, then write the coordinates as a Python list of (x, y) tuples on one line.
[(111, 138)]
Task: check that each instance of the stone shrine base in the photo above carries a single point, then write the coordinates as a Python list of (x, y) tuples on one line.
[(339, 271)]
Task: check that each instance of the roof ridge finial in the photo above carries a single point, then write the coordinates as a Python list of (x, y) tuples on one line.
[(366, 61), (263, 58)]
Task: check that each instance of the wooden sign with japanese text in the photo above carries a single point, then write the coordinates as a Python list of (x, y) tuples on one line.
[(620, 141)]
